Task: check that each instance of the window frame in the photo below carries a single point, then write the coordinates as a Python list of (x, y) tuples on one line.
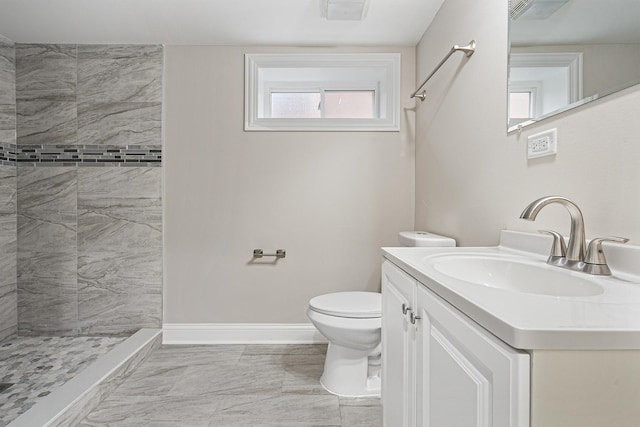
[(386, 91)]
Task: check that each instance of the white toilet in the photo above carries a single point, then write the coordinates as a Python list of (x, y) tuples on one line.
[(351, 322)]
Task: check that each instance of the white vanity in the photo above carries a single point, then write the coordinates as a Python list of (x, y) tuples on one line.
[(496, 337)]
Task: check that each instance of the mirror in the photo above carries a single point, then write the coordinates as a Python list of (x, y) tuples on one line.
[(565, 53)]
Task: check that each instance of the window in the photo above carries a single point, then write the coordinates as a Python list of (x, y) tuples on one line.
[(351, 92)]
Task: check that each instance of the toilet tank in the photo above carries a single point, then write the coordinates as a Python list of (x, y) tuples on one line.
[(424, 239)]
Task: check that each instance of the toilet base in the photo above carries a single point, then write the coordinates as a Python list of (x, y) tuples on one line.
[(351, 373)]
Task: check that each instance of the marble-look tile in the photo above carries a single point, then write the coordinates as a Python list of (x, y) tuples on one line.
[(47, 293), (302, 374), (47, 189), (102, 311), (47, 209), (8, 252), (119, 183), (8, 297), (119, 210), (91, 398), (120, 123), (47, 260), (46, 231), (8, 136), (152, 380), (132, 272), (8, 191), (194, 355), (120, 73), (242, 378), (7, 71), (151, 410), (46, 72), (119, 292), (46, 122), (38, 365), (361, 416), (299, 349), (278, 410), (7, 117), (119, 225)]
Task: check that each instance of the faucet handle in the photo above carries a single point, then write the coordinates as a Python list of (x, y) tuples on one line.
[(595, 255), (559, 247)]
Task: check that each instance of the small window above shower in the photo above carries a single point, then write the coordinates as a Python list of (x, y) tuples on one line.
[(322, 92)]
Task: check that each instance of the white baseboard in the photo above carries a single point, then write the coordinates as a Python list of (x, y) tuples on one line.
[(241, 333)]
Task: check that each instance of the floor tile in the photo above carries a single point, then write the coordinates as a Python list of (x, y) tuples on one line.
[(232, 385)]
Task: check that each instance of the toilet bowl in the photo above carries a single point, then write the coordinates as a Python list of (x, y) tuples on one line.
[(352, 323)]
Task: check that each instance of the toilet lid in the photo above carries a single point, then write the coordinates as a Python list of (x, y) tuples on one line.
[(348, 304)]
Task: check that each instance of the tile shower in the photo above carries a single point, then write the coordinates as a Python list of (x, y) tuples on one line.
[(80, 191)]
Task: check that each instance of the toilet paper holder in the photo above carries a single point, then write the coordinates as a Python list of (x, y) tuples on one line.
[(259, 253)]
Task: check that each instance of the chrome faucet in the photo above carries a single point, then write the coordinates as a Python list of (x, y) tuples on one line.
[(573, 256), (576, 248)]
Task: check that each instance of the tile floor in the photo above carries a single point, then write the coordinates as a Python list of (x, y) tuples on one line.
[(32, 367), (232, 385)]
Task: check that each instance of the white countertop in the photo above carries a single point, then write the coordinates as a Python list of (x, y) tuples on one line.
[(610, 320)]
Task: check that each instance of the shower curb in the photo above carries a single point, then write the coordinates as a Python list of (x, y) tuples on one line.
[(73, 401)]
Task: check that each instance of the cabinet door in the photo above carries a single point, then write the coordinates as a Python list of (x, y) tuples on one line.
[(398, 348), (466, 377)]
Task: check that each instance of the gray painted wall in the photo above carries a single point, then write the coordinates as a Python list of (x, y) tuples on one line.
[(331, 199), (89, 193), (8, 221)]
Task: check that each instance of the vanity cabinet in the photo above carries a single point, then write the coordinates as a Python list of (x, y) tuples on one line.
[(440, 369)]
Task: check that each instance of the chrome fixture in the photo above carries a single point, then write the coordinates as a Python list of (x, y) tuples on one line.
[(468, 51), (577, 245), (595, 262), (574, 255), (259, 253)]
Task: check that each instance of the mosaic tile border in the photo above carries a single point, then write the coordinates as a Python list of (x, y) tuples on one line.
[(81, 155)]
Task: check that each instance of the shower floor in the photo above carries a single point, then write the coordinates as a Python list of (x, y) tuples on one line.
[(35, 366)]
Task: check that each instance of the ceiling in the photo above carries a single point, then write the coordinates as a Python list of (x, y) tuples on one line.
[(212, 22)]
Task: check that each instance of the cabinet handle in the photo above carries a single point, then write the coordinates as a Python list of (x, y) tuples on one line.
[(413, 318), (405, 308)]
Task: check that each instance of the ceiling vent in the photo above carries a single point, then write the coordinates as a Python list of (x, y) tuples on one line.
[(534, 9), (343, 10)]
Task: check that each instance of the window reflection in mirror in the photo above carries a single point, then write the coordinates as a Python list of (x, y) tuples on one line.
[(564, 53)]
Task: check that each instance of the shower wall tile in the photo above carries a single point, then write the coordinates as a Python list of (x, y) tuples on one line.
[(47, 250), (7, 71), (8, 117), (119, 73), (120, 123), (47, 293), (47, 190), (8, 261), (47, 122), (89, 239), (8, 202), (119, 249), (46, 72)]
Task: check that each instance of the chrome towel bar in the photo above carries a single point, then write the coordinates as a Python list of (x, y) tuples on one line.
[(468, 51), (259, 253)]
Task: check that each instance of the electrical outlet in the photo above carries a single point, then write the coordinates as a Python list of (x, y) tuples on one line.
[(542, 144)]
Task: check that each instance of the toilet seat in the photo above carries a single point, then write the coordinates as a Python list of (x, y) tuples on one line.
[(357, 305)]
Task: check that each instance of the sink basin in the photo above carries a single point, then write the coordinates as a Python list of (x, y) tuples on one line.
[(514, 275)]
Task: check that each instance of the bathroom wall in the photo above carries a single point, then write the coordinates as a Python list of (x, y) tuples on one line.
[(602, 64), (89, 135), (8, 219), (331, 199), (472, 179)]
